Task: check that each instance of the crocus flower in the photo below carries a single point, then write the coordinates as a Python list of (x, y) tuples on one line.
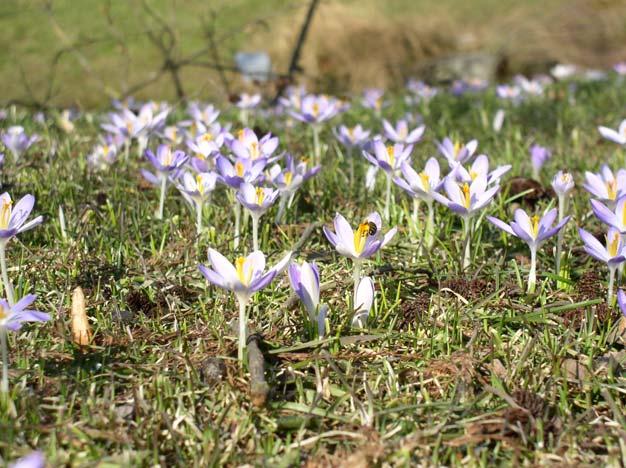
[(289, 180), (480, 167), (562, 184), (248, 145), (466, 199), (616, 136), (11, 318), (456, 153), (205, 114), (620, 68), (305, 281), (205, 147), (32, 460), (351, 137), (389, 159), (257, 200), (533, 87), (244, 278), (373, 99), (363, 301), (613, 254), (316, 109), (197, 190), (534, 231), (421, 187), (621, 300), (401, 133), (17, 141), (538, 157), (168, 164), (102, 156), (421, 90), (606, 186), (509, 92), (243, 170), (248, 101), (472, 85)]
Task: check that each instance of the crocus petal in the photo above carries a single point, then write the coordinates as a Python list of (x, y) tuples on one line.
[(501, 225), (214, 278), (223, 268), (621, 300)]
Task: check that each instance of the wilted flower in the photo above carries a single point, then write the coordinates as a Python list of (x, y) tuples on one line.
[(401, 134), (456, 153), (305, 281), (17, 141), (257, 200), (612, 254), (538, 157), (534, 231), (617, 136), (363, 301), (168, 164), (606, 186), (245, 278)]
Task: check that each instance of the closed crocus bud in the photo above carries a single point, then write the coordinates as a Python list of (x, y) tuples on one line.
[(562, 183), (363, 301)]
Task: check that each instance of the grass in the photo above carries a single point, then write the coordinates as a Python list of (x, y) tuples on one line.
[(455, 368)]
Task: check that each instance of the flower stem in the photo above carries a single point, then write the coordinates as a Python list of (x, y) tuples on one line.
[(609, 298), (198, 218), (467, 228), (415, 217), (532, 274), (237, 209), (242, 331), (356, 276), (162, 198), (4, 386), (387, 197), (350, 155), (561, 234), (243, 117), (281, 208), (429, 232), (6, 282), (255, 232), (316, 144)]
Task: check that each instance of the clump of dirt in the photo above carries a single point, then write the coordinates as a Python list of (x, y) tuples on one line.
[(139, 302), (472, 290), (413, 310), (536, 191)]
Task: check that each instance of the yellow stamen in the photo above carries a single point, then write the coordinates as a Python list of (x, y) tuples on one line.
[(403, 131), (5, 212), (425, 181), (535, 225), (243, 275), (239, 169), (315, 109), (199, 184), (241, 135), (105, 149), (391, 154), (260, 196), (612, 245), (624, 214), (207, 137), (467, 199), (288, 177), (360, 235), (611, 188), (473, 175), (457, 148), (3, 313), (254, 150), (167, 160)]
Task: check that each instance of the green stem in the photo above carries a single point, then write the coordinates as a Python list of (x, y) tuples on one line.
[(316, 144), (350, 155), (429, 232)]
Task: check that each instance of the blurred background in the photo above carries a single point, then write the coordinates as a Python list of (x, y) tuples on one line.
[(59, 53)]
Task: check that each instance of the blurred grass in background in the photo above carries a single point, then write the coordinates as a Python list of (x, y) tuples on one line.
[(352, 44)]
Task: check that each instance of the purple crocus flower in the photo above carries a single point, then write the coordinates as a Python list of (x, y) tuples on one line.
[(205, 148), (305, 281), (17, 141), (456, 153), (615, 216), (613, 254), (102, 156), (206, 114), (168, 164), (534, 231), (539, 155), (605, 185), (389, 158), (373, 99), (244, 278), (243, 170), (472, 85), (401, 134), (562, 183), (480, 167), (616, 136), (12, 317), (257, 200), (248, 145), (362, 243), (32, 460), (466, 199), (621, 298), (421, 90), (509, 92), (13, 218), (289, 180), (620, 68), (248, 101), (316, 109), (351, 137), (197, 191)]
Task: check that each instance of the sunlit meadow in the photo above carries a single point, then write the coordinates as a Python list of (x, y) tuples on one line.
[(430, 276)]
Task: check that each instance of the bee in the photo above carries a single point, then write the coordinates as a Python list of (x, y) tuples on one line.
[(372, 229)]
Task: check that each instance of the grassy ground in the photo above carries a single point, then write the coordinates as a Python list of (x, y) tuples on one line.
[(455, 367)]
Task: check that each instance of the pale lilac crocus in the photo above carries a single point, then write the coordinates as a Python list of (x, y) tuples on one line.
[(613, 254), (373, 99), (512, 93), (205, 147), (167, 163), (457, 153), (246, 103), (257, 200), (480, 167), (421, 90), (421, 187), (400, 133), (620, 68), (361, 244), (351, 138), (605, 185), (305, 282), (102, 156), (562, 184), (244, 279), (289, 180), (390, 159), (206, 114), (17, 141), (11, 318), (534, 231), (467, 199), (621, 301), (316, 110), (248, 145), (197, 191), (32, 460), (539, 155), (363, 302), (616, 136), (534, 86)]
